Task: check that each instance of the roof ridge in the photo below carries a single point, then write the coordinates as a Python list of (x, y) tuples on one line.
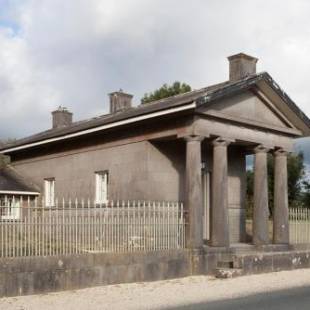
[(200, 96), (105, 116)]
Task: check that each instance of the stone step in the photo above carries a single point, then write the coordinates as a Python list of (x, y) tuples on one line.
[(225, 264), (232, 262), (274, 248), (228, 273), (243, 249), (249, 249)]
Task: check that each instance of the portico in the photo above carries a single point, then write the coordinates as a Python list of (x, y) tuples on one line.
[(241, 118), (219, 220)]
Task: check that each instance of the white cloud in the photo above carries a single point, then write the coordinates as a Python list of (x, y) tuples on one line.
[(74, 52)]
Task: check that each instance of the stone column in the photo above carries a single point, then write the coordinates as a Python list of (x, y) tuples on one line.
[(261, 211), (219, 208), (194, 192), (280, 213)]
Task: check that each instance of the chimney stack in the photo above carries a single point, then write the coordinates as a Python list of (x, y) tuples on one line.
[(61, 117), (120, 101), (240, 66)]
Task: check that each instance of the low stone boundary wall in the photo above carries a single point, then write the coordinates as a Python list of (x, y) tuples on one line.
[(33, 275), (272, 261)]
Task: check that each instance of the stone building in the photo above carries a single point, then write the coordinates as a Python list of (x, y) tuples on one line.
[(14, 189), (190, 147)]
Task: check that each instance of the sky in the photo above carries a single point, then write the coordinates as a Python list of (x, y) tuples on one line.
[(74, 52)]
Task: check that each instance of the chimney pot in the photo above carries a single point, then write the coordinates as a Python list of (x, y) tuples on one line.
[(241, 65), (61, 117), (120, 101)]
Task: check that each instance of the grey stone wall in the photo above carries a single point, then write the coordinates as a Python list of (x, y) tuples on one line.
[(74, 173), (273, 262), (137, 171), (166, 170), (33, 275)]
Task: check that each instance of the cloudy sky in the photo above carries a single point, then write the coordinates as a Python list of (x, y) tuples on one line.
[(74, 52)]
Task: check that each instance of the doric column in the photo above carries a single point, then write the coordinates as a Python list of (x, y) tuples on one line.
[(219, 209), (194, 191), (261, 212), (280, 213)]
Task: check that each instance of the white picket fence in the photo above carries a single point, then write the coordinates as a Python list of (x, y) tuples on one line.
[(28, 228), (299, 225)]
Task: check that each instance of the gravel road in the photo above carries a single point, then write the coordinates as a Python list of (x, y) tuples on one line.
[(162, 294)]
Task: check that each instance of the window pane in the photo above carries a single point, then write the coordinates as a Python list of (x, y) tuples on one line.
[(49, 189), (101, 187)]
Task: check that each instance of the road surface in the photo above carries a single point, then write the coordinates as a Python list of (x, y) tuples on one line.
[(292, 299), (281, 290)]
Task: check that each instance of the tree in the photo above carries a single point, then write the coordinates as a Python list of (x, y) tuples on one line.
[(306, 194), (4, 159), (166, 91), (296, 173)]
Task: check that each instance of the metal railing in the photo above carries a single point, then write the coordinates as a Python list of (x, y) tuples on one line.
[(299, 225), (29, 228)]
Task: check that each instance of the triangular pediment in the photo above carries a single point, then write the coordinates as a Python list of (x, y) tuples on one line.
[(250, 108)]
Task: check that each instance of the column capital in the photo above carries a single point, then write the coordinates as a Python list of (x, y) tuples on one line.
[(280, 152), (220, 141), (194, 138), (261, 149)]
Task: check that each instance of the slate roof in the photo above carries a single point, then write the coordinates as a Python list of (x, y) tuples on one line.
[(11, 181), (201, 96)]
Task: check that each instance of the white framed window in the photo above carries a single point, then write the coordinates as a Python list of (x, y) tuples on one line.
[(10, 208), (101, 194), (49, 192)]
